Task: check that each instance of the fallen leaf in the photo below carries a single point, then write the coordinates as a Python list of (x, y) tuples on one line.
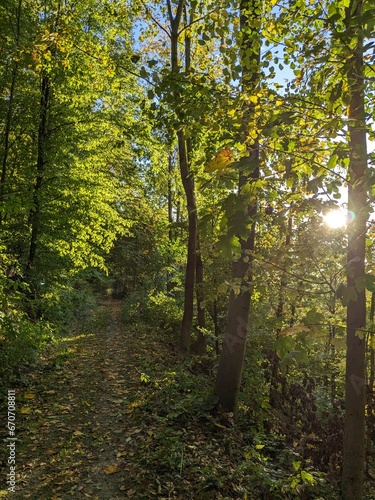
[(25, 410), (111, 469)]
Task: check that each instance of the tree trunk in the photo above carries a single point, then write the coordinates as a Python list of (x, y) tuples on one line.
[(200, 298), (188, 184), (170, 198), (371, 379), (354, 428), (9, 116), (34, 215), (232, 355), (276, 376), (170, 217)]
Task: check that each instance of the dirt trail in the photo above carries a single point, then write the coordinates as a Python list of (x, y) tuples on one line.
[(73, 418)]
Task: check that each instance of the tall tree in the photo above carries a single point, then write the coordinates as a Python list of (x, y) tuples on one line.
[(232, 355), (175, 20), (354, 431), (10, 104)]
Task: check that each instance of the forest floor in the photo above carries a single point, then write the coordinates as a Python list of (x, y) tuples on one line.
[(110, 412), (86, 429), (74, 428)]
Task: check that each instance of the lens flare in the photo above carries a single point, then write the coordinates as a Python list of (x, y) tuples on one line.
[(336, 218)]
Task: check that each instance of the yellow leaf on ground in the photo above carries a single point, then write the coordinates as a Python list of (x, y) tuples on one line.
[(111, 469), (29, 396), (25, 410)]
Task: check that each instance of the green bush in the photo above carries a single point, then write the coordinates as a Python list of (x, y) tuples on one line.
[(63, 305), (157, 310), (20, 342), (164, 312), (134, 307)]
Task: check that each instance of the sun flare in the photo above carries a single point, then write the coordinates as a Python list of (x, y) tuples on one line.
[(335, 218)]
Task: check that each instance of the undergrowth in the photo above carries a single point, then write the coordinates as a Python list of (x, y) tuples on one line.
[(194, 450)]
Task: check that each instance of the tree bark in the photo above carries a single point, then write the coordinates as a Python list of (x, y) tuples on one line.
[(354, 428), (188, 184), (189, 188), (371, 379), (34, 216), (9, 115), (170, 217), (276, 376), (201, 317), (232, 355), (170, 198)]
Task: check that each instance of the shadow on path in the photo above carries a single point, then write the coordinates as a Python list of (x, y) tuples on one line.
[(73, 426)]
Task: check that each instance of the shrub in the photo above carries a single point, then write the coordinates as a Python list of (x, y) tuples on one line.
[(20, 341), (157, 310), (164, 312)]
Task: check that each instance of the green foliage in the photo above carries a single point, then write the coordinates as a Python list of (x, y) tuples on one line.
[(281, 479), (156, 310), (20, 344), (164, 312)]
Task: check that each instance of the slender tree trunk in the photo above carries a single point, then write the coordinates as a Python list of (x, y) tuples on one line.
[(371, 379), (170, 216), (9, 115), (200, 300), (232, 355), (188, 183), (354, 429), (189, 188), (370, 392), (199, 272), (216, 327), (170, 198), (276, 376), (34, 216)]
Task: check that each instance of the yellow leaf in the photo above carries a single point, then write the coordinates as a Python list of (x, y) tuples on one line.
[(111, 469), (291, 330), (360, 333), (25, 410), (29, 396), (220, 426), (221, 160)]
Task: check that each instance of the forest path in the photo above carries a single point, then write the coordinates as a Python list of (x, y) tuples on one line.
[(75, 429)]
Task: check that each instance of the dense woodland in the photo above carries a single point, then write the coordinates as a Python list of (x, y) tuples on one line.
[(184, 156)]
